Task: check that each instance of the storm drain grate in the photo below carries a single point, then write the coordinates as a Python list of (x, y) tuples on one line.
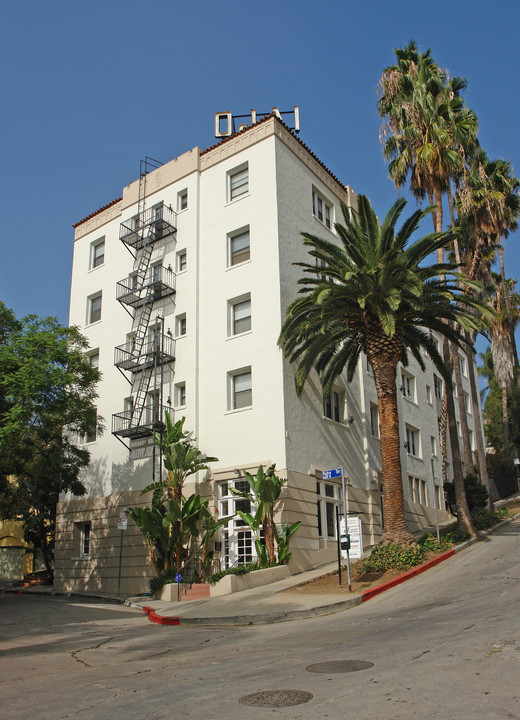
[(277, 698), (339, 666)]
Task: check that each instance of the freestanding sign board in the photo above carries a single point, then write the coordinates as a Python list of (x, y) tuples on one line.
[(123, 520), (356, 536)]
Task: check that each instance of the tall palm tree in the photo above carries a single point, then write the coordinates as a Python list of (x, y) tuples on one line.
[(427, 131), (373, 293)]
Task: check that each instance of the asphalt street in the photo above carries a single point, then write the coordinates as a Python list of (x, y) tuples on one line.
[(444, 645)]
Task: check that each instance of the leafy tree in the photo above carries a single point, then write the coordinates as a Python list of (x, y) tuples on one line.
[(47, 394), (173, 523), (374, 293)]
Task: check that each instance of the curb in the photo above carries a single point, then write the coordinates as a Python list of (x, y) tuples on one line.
[(324, 609), (56, 593)]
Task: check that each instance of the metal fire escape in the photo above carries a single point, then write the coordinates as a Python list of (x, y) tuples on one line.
[(149, 349)]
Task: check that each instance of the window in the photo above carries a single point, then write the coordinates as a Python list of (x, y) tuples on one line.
[(182, 260), (467, 405), (333, 405), (463, 365), (93, 358), (238, 180), (417, 490), (374, 420), (182, 200), (238, 546), (180, 394), (97, 253), (459, 429), (180, 325), (429, 394), (471, 441), (240, 387), (321, 209), (437, 384), (328, 500), (412, 441), (239, 247), (84, 539), (240, 316), (94, 309), (408, 385), (434, 445), (91, 434)]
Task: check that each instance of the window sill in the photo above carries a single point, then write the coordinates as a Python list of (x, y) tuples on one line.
[(232, 267), (238, 410), (341, 423), (237, 199), (93, 269), (96, 322), (82, 557), (232, 337)]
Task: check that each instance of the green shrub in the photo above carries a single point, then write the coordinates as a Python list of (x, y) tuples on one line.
[(429, 543), (239, 570), (454, 537), (476, 493), (155, 584), (392, 557), (483, 519)]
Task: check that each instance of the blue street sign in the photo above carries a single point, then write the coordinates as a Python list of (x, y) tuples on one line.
[(178, 578), (329, 474)]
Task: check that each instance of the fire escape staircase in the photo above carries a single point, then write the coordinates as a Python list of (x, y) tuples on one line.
[(147, 350)]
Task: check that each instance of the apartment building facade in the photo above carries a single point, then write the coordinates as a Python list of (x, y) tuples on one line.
[(181, 286)]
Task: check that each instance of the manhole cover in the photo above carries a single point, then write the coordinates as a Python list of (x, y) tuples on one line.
[(339, 666), (277, 698)]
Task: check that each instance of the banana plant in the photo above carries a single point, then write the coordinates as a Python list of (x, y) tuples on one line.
[(265, 491), (282, 536)]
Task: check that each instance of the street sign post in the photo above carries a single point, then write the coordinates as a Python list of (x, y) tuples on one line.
[(329, 475), (122, 525)]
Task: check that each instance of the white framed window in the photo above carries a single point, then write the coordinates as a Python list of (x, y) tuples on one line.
[(326, 504), (91, 435), (240, 315), (321, 209), (85, 529), (93, 358), (412, 441), (240, 389), (467, 404), (459, 429), (334, 405), (417, 490), (238, 182), (429, 394), (463, 365), (437, 386), (471, 441), (374, 420), (238, 541), (181, 260), (97, 253), (94, 303), (180, 325), (182, 200), (180, 394), (239, 247), (433, 440), (408, 385)]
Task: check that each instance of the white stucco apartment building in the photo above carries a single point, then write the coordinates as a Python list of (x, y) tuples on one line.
[(188, 275)]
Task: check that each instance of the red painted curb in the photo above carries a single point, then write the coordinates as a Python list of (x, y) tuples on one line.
[(160, 619), (402, 578)]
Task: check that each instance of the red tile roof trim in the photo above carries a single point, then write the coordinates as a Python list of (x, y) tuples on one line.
[(105, 207), (295, 136)]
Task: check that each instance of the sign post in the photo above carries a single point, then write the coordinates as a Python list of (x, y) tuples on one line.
[(121, 525), (343, 538)]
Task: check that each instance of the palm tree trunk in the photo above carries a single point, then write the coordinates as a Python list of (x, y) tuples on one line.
[(468, 466), (463, 515), (510, 323), (395, 531), (475, 406)]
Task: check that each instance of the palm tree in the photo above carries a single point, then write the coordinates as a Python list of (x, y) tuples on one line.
[(427, 133), (373, 293)]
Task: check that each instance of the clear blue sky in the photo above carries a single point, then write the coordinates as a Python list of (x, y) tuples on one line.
[(90, 88)]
